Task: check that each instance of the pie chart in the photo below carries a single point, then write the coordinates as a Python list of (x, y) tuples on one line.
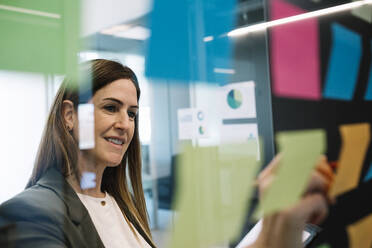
[(200, 116), (201, 130), (234, 98)]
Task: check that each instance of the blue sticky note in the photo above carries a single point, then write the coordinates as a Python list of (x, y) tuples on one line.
[(88, 180), (189, 40), (368, 95), (85, 85), (343, 66), (168, 50), (369, 174)]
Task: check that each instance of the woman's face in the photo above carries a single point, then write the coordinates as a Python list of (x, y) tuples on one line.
[(115, 109)]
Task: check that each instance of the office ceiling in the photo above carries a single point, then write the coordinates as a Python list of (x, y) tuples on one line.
[(98, 14)]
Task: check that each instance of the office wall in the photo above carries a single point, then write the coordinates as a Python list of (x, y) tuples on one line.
[(23, 108)]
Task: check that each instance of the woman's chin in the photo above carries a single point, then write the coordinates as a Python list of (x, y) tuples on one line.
[(113, 163), (112, 159)]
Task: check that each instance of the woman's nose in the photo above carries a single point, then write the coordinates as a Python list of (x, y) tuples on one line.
[(122, 122)]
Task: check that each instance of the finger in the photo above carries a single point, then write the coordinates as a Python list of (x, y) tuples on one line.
[(322, 158), (312, 208), (270, 168), (265, 184), (323, 167), (317, 183), (326, 172), (266, 177)]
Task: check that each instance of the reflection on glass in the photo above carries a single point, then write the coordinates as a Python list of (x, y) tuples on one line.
[(68, 184)]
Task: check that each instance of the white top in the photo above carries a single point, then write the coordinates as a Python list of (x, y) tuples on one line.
[(110, 223), (252, 235)]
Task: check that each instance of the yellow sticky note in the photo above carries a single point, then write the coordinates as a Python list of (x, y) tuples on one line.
[(355, 141), (360, 233), (300, 152), (364, 12), (214, 188)]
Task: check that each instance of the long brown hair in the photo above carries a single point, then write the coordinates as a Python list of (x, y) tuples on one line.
[(59, 149)]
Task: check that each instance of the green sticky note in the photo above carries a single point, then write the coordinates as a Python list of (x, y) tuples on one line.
[(300, 152), (324, 246), (39, 35), (213, 191)]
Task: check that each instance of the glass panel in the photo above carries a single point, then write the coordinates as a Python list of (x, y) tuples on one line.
[(217, 81)]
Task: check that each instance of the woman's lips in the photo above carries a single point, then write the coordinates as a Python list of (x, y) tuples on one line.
[(118, 143)]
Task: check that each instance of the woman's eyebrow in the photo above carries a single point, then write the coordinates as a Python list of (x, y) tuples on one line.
[(114, 100), (119, 102)]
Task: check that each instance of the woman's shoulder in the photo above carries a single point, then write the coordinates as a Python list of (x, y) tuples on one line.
[(34, 203), (37, 216)]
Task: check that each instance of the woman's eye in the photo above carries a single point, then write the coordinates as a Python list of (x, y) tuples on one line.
[(110, 108), (132, 115)]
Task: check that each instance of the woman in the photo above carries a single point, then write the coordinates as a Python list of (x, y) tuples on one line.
[(52, 211)]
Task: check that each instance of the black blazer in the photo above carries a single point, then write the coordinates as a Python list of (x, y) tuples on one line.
[(50, 214)]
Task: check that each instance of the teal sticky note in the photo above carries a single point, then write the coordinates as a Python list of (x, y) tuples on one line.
[(343, 65), (368, 95), (368, 176), (189, 40)]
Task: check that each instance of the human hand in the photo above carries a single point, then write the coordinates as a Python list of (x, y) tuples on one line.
[(284, 228)]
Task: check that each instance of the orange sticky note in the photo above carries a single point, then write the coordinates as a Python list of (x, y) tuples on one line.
[(355, 141), (360, 233)]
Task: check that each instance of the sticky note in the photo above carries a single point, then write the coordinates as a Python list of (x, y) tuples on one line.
[(85, 83), (364, 12), (300, 152), (360, 233), (86, 126), (41, 36), (193, 46), (324, 246), (295, 55), (369, 174), (240, 133), (355, 141), (343, 65), (214, 188), (368, 95), (88, 180)]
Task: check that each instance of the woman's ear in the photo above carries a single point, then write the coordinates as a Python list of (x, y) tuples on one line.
[(69, 114)]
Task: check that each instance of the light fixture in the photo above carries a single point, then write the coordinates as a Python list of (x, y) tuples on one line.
[(88, 55), (127, 31), (224, 70), (300, 17), (30, 11), (135, 33), (208, 38), (115, 29)]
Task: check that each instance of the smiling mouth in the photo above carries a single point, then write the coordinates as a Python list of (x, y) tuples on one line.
[(115, 141)]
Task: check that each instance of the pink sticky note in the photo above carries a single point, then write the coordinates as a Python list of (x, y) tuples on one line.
[(295, 63)]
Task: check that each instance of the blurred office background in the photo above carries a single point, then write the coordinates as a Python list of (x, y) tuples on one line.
[(120, 30), (117, 30)]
